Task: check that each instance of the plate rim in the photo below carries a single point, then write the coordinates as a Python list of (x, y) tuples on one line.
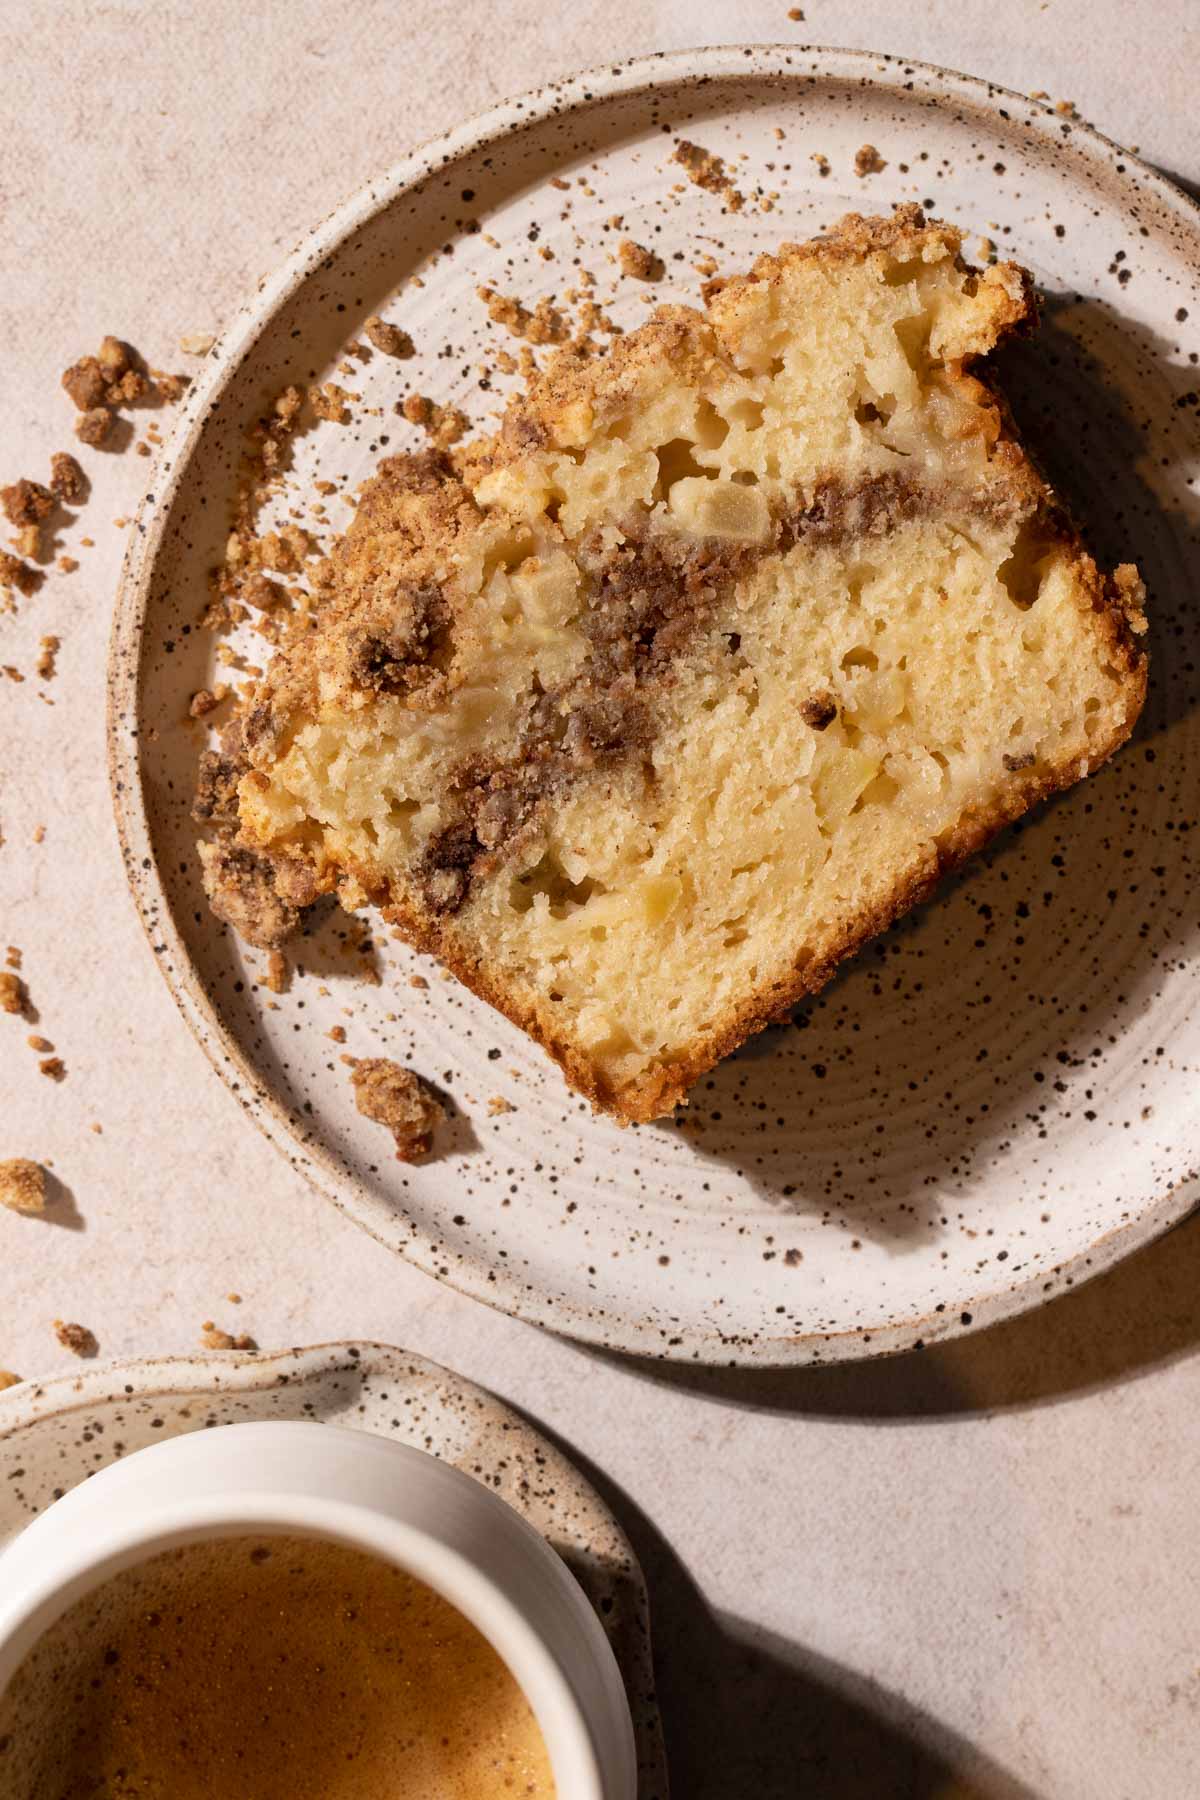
[(477, 1277)]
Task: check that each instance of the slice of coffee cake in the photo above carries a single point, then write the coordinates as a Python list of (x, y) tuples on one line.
[(644, 713)]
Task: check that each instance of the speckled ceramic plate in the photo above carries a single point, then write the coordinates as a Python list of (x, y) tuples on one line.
[(997, 1099), (54, 1434)]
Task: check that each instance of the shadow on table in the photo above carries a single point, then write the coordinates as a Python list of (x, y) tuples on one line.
[(1134, 1318), (746, 1713)]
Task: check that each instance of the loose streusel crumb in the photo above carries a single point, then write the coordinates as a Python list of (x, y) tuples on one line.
[(638, 262), (202, 702), (50, 647), (241, 891), (544, 325), (116, 358), (39, 834), (337, 1033), (53, 1067), (444, 425), (16, 574), (197, 343), (498, 1105), (86, 383), (67, 480), (331, 402), (22, 1185), (277, 972), (8, 1379), (13, 996), (13, 957), (40, 1044), (213, 1338), (93, 426), (707, 170), (389, 339), (76, 1338), (417, 981), (394, 1096), (114, 378), (867, 161), (27, 502)]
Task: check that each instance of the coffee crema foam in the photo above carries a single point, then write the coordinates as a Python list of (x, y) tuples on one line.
[(267, 1668)]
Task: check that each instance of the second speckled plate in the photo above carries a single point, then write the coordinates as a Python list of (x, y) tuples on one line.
[(997, 1099), (55, 1434)]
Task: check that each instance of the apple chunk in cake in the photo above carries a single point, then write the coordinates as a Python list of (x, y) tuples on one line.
[(646, 711)]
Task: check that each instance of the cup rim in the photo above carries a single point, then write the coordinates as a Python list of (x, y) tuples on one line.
[(570, 1744)]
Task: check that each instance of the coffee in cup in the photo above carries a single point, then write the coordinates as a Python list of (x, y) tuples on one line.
[(267, 1668)]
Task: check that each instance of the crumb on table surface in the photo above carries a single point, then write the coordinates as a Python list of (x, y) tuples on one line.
[(67, 479), (14, 997), (22, 1185), (78, 1339)]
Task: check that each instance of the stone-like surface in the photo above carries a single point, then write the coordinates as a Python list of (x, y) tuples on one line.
[(971, 1562)]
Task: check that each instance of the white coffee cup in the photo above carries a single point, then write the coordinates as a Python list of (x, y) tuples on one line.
[(365, 1491)]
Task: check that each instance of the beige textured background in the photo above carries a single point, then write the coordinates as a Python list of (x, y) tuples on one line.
[(967, 1573)]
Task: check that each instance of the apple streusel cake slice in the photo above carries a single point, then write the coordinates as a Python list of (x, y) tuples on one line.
[(645, 712)]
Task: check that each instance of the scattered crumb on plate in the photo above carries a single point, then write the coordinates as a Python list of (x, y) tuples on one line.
[(386, 338), (638, 262)]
